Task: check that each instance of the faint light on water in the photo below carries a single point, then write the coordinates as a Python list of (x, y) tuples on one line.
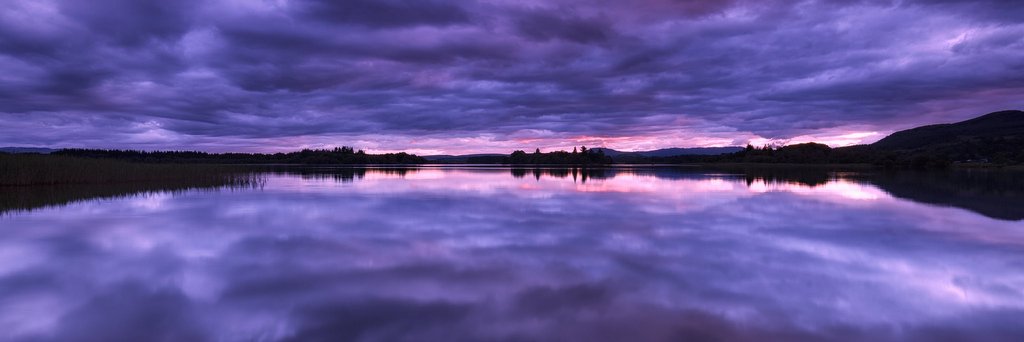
[(837, 188), (150, 201)]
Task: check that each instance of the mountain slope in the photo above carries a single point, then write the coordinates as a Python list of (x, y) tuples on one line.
[(992, 138), (1004, 124)]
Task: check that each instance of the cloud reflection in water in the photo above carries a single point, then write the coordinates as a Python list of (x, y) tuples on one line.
[(493, 254)]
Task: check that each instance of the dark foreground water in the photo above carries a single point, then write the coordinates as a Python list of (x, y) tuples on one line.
[(448, 254)]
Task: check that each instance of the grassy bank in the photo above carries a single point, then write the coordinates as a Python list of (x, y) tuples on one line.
[(35, 169)]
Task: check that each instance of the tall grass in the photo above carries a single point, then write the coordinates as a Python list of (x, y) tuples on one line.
[(29, 181), (34, 169)]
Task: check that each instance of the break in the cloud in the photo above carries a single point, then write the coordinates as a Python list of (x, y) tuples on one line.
[(457, 76)]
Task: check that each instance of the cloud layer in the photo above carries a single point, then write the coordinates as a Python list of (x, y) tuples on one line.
[(459, 76)]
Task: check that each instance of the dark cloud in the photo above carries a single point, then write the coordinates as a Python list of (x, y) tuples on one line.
[(381, 319), (1006, 11), (544, 25), (386, 13), (129, 22), (420, 74), (545, 300)]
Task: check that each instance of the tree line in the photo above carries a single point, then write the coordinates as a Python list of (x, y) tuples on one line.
[(581, 156), (340, 155)]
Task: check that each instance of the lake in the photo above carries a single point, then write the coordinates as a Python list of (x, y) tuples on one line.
[(449, 253)]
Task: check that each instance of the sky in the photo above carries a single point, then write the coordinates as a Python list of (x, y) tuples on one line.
[(451, 77)]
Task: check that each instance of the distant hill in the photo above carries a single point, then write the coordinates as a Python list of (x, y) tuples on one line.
[(27, 150), (675, 151), (995, 137), (1009, 123)]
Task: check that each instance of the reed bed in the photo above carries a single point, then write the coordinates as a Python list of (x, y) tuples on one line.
[(35, 169), (29, 181)]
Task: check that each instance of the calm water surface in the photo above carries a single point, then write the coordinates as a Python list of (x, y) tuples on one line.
[(457, 253)]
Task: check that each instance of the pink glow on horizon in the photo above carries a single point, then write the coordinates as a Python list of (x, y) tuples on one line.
[(435, 146), (154, 138), (833, 140)]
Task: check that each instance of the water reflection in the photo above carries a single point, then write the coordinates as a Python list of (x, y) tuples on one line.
[(340, 174), (25, 198), (521, 254), (997, 195)]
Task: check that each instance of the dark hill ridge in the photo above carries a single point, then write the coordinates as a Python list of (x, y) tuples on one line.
[(992, 138), (1004, 124), (995, 138)]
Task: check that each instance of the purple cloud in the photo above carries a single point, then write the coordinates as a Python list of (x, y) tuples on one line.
[(458, 76)]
